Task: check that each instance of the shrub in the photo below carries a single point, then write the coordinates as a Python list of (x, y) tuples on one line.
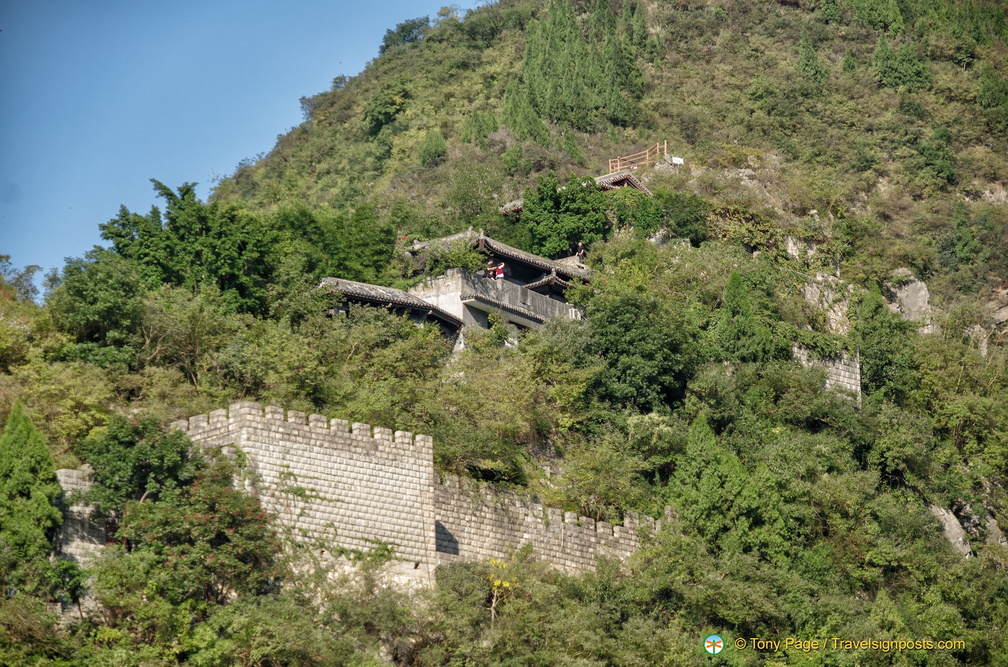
[(28, 488), (901, 68), (432, 148)]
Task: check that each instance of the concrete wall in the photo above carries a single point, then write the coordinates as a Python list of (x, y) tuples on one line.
[(469, 296)]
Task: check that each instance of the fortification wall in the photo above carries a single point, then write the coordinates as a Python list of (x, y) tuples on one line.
[(477, 522), (79, 538), (843, 372), (351, 485), (346, 484)]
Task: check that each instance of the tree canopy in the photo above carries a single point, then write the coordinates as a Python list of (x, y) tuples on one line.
[(29, 492)]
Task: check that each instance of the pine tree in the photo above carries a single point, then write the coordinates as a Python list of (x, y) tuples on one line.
[(28, 488), (603, 19), (894, 18), (883, 61), (849, 65), (520, 117), (637, 27), (740, 332), (809, 65)]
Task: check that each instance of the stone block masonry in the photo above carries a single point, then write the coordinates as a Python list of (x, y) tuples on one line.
[(843, 372), (79, 538), (352, 485), (477, 522), (348, 485)]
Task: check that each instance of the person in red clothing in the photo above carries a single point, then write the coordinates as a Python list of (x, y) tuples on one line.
[(500, 271)]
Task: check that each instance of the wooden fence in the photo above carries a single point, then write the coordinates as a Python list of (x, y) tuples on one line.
[(648, 156)]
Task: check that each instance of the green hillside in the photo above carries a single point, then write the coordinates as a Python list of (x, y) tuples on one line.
[(845, 108), (875, 131)]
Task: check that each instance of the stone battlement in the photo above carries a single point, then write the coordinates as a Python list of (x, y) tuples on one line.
[(250, 420), (353, 486), (476, 521)]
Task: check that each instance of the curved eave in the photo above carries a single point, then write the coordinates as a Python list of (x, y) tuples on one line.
[(388, 297)]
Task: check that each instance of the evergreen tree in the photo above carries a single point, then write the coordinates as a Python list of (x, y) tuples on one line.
[(849, 64), (603, 20), (520, 117), (432, 148), (883, 59), (572, 81), (740, 333), (28, 488), (809, 65), (637, 26), (477, 126), (894, 18), (901, 68)]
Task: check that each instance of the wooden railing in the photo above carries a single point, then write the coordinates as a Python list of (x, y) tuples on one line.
[(652, 154)]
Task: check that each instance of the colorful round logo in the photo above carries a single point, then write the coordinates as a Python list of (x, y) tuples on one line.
[(713, 644)]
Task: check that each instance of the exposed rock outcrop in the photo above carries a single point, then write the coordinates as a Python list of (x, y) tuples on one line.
[(832, 296), (912, 300), (952, 530), (994, 535)]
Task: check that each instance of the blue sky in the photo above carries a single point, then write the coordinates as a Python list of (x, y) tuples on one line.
[(96, 98)]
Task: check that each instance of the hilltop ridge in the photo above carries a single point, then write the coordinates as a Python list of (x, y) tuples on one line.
[(839, 120)]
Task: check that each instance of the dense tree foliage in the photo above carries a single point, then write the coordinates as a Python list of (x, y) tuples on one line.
[(28, 489), (134, 460), (574, 81), (406, 32), (557, 218)]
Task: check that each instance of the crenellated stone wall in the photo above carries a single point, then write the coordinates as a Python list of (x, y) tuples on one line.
[(477, 522), (351, 486)]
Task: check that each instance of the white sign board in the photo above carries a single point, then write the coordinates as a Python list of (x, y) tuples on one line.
[(677, 160)]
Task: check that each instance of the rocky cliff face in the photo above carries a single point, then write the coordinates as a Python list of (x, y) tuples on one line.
[(912, 300)]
